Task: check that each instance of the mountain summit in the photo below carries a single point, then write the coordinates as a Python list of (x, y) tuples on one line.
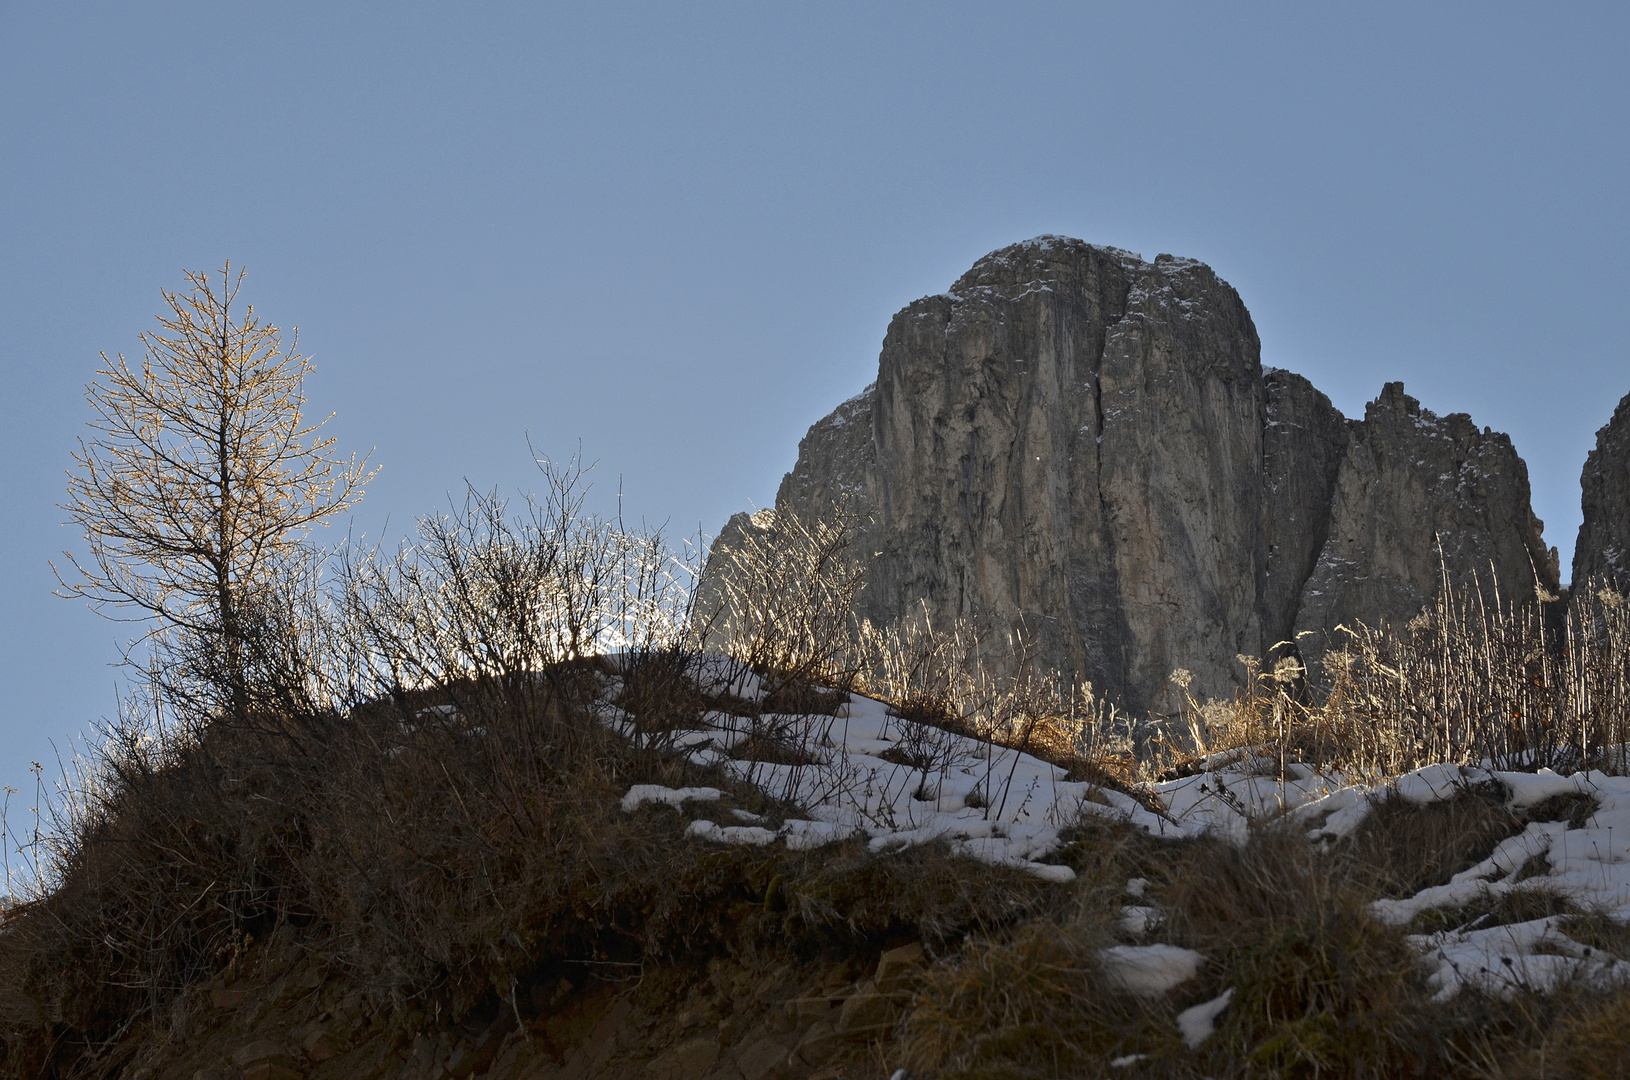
[(1085, 444)]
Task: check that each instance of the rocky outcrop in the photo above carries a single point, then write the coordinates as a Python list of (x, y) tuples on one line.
[(835, 459), (1082, 444), (1069, 442), (1303, 442), (1603, 549), (1421, 498)]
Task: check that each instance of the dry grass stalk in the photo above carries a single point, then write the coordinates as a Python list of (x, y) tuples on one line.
[(788, 605), (1473, 680), (1468, 681)]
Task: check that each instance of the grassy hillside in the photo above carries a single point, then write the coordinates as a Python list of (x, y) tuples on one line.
[(423, 855)]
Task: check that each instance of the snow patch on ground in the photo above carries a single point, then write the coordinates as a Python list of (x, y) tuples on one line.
[(1149, 970), (1199, 1023), (1501, 960), (1138, 920), (640, 794), (731, 834), (1589, 865), (867, 773)]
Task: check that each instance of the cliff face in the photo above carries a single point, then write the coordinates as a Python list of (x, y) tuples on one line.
[(1603, 550), (1069, 441), (1419, 497), (1085, 444), (1303, 442)]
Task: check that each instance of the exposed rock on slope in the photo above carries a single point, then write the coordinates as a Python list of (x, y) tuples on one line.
[(1086, 444), (1603, 549), (1414, 485)]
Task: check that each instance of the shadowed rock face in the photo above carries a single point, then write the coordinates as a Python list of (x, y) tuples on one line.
[(1421, 497), (1603, 550), (1084, 444), (1303, 443)]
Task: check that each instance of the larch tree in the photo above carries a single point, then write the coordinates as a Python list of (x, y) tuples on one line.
[(201, 477)]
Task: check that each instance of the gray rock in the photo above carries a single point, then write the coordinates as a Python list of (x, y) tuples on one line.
[(1303, 442), (690, 1059), (1081, 445), (988, 423), (1603, 549), (1069, 442), (1420, 499), (836, 461), (1179, 485)]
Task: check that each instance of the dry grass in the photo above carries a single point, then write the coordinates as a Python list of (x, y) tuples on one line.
[(1590, 1044), (1470, 680), (785, 601), (1036, 1004), (1405, 848), (438, 870), (1320, 988)]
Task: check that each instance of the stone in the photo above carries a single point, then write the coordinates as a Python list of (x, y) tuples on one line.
[(272, 1070), (691, 1058), (1602, 553), (806, 1010), (587, 1058), (763, 1059), (820, 1043), (474, 1056), (266, 1060), (836, 460), (1031, 430), (1304, 439), (226, 996), (348, 1011), (1421, 499), (260, 1050), (320, 1044), (896, 963), (870, 1012)]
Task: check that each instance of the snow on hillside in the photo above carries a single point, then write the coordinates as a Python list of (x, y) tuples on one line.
[(867, 772)]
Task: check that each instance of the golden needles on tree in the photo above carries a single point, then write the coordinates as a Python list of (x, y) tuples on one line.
[(201, 476)]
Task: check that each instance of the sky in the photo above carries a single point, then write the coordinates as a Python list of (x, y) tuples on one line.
[(673, 235)]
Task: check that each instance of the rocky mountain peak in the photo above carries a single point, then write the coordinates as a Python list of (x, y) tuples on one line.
[(1085, 445)]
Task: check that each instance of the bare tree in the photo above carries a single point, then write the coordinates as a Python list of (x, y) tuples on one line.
[(201, 476)]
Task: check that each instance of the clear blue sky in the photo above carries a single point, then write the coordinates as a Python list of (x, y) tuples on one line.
[(677, 232)]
